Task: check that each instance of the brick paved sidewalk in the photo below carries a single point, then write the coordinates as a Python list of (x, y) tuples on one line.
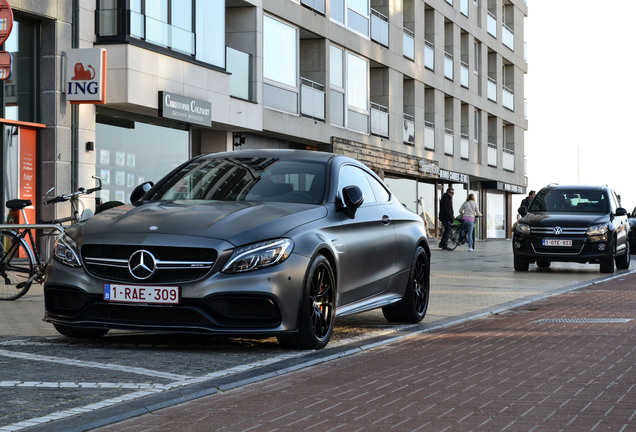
[(565, 363)]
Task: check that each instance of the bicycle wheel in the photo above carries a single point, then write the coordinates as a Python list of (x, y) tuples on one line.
[(16, 266), (453, 238)]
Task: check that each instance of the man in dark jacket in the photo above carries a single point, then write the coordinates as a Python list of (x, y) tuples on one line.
[(446, 214)]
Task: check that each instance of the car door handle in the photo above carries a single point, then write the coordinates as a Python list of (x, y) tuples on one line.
[(386, 220)]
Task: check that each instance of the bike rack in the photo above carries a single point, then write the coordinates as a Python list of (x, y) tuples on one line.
[(32, 226)]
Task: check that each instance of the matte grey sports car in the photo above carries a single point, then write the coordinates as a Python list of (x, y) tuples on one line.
[(245, 243)]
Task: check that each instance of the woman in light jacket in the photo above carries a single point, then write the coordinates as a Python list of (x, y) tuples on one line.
[(469, 212)]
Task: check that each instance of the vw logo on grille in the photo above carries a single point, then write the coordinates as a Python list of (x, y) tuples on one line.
[(558, 230), (142, 264)]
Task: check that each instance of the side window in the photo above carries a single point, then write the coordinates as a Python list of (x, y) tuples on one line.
[(380, 192), (353, 176)]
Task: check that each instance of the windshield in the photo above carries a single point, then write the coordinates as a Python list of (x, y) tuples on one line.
[(246, 179), (584, 201)]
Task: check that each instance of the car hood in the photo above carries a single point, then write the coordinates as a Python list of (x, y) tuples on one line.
[(550, 219), (234, 221)]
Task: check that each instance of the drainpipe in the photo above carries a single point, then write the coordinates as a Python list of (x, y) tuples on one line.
[(74, 107)]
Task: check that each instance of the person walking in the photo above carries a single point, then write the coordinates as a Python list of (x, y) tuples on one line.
[(469, 211), (446, 215)]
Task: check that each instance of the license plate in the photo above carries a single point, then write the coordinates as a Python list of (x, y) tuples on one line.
[(563, 243), (141, 294)]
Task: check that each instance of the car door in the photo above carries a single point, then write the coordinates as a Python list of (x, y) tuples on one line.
[(369, 239)]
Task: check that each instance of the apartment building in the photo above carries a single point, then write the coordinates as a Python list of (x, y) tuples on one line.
[(429, 93)]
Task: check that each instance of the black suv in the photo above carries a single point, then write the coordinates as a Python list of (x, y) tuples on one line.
[(582, 224)]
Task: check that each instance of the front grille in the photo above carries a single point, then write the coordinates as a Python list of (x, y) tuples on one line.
[(565, 231), (174, 264), (213, 312)]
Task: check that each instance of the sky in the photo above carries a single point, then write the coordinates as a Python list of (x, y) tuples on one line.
[(580, 91)]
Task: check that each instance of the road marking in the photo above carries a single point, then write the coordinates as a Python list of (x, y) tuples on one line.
[(89, 364)]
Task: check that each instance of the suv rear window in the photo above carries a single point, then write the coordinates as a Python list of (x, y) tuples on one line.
[(584, 201)]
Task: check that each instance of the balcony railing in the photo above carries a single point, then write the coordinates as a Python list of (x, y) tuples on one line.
[(429, 55), (429, 136), (464, 150), (239, 65), (464, 75), (508, 98), (508, 161), (492, 155), (448, 66), (508, 37), (312, 99), (379, 28), (492, 24), (492, 89), (408, 44), (449, 142), (408, 129), (317, 5), (379, 120)]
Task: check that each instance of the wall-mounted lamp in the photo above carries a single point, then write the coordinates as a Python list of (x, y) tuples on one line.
[(239, 140), (90, 146)]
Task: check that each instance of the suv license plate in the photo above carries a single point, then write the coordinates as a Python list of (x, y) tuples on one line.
[(141, 294), (563, 243)]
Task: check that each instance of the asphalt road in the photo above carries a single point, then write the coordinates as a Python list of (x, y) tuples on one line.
[(50, 382)]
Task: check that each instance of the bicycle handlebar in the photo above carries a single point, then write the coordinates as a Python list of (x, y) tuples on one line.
[(73, 195)]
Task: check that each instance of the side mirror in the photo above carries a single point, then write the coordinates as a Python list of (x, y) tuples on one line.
[(620, 211), (353, 198), (140, 190)]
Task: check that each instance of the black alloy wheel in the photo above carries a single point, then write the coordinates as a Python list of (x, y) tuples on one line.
[(413, 306), (317, 311)]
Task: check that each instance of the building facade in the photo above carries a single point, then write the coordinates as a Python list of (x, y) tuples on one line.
[(429, 93)]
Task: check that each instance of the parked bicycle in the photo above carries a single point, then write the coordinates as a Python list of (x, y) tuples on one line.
[(21, 262), (457, 235)]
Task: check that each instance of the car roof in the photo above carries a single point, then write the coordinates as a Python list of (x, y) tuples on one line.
[(573, 187), (299, 155)]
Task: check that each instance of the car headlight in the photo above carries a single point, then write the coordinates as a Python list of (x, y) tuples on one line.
[(65, 251), (259, 255), (596, 230), (523, 228)]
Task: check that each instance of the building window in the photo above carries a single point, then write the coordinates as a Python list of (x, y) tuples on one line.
[(357, 93), (167, 24), (354, 14), (20, 93), (336, 83), (280, 65)]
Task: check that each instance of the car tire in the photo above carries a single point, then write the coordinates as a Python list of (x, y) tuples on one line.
[(412, 308), (607, 263), (521, 263), (317, 308), (80, 332), (543, 264), (623, 261)]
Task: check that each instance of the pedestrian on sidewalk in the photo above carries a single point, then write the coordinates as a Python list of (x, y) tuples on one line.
[(469, 211), (446, 215), (525, 204)]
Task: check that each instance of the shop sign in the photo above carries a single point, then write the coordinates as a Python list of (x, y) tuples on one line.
[(6, 24), (185, 109), (86, 76), (428, 167), (507, 187), (454, 177)]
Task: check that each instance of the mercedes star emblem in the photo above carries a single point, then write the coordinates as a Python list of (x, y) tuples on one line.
[(142, 264)]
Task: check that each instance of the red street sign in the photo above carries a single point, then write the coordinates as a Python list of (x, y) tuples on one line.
[(6, 20)]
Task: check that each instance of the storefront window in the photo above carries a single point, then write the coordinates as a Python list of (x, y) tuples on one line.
[(130, 152), (495, 223)]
